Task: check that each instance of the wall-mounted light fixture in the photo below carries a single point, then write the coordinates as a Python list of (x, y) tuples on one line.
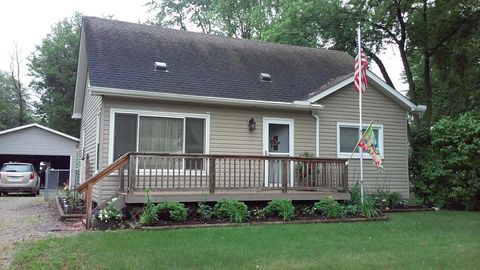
[(251, 124)]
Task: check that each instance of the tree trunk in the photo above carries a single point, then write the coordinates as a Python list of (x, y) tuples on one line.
[(380, 64)]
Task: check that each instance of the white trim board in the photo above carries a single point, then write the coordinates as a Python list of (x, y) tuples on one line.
[(41, 127)]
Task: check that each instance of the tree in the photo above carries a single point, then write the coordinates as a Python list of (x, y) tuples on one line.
[(21, 97), (53, 66), (8, 100)]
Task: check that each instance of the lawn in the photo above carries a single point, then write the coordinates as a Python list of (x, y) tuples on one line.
[(429, 240)]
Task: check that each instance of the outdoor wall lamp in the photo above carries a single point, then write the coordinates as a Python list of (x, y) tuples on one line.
[(251, 124)]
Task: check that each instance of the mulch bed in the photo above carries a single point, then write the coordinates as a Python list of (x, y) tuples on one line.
[(67, 211), (197, 222)]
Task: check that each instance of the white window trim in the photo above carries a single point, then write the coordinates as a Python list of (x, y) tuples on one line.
[(140, 113), (356, 155), (97, 142)]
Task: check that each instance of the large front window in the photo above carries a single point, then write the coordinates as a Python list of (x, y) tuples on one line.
[(160, 133), (347, 138)]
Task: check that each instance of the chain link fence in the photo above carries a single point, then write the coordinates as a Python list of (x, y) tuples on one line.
[(55, 182)]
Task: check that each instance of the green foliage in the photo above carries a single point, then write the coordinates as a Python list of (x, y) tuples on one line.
[(369, 208), (176, 210), (328, 207), (385, 198), (231, 210), (110, 212), (53, 66), (9, 102), (350, 210), (204, 210), (448, 171), (307, 211), (149, 213), (258, 213), (281, 208), (73, 198), (355, 194)]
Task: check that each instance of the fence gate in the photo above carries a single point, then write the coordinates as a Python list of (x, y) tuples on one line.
[(55, 181)]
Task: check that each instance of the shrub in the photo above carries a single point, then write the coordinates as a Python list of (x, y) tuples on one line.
[(445, 172), (385, 198), (204, 210), (231, 210), (149, 213), (281, 208), (328, 207), (350, 210), (109, 212), (308, 211), (355, 195), (258, 213), (176, 210), (368, 208)]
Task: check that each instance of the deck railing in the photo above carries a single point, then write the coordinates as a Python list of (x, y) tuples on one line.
[(210, 173), (192, 172)]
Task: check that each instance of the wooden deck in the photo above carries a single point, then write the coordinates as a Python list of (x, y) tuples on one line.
[(193, 177), (245, 195)]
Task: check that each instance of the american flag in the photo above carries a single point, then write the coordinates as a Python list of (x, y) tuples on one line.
[(364, 67)]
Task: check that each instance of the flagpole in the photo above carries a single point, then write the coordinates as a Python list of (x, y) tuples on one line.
[(360, 150)]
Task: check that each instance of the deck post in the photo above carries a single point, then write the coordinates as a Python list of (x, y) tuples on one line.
[(131, 173), (121, 172), (88, 199), (284, 175), (211, 178)]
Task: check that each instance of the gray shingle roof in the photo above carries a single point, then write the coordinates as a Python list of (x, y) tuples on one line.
[(122, 55)]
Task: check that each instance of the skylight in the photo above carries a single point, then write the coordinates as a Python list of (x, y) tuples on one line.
[(161, 66)]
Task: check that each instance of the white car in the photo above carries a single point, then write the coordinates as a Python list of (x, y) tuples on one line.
[(19, 177)]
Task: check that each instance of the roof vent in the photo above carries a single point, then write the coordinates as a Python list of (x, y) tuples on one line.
[(265, 77), (161, 66)]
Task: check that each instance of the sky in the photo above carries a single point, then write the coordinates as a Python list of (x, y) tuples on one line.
[(27, 22)]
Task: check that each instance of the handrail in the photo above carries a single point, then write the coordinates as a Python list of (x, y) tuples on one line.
[(105, 172), (207, 156)]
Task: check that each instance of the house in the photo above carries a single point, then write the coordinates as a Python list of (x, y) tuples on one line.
[(190, 101), (34, 143)]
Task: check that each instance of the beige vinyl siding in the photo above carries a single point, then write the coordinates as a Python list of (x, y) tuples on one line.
[(91, 107), (229, 132), (342, 106)]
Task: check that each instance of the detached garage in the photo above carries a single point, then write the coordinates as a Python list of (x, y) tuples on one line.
[(35, 143)]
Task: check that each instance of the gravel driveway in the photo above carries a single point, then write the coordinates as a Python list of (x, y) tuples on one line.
[(27, 219)]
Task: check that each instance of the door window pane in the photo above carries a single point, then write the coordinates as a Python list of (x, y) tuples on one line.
[(279, 138), (125, 139)]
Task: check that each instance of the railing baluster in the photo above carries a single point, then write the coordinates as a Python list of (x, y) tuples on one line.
[(249, 173), (224, 172)]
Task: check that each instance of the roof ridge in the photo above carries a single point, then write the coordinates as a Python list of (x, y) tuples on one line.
[(250, 41)]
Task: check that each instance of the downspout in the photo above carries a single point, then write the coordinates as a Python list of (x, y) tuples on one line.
[(317, 133)]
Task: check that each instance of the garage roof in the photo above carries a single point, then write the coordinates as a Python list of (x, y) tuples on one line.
[(39, 126)]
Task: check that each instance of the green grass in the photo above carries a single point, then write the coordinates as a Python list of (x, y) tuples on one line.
[(429, 240)]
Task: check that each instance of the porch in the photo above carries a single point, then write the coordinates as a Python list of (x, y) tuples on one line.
[(196, 177)]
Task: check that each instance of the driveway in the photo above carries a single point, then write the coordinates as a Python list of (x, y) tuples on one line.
[(28, 219)]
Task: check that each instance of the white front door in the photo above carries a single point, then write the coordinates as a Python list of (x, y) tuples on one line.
[(277, 141)]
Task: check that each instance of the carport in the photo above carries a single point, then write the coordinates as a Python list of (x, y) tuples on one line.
[(35, 143)]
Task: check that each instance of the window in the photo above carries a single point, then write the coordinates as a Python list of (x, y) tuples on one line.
[(347, 137), (161, 133)]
